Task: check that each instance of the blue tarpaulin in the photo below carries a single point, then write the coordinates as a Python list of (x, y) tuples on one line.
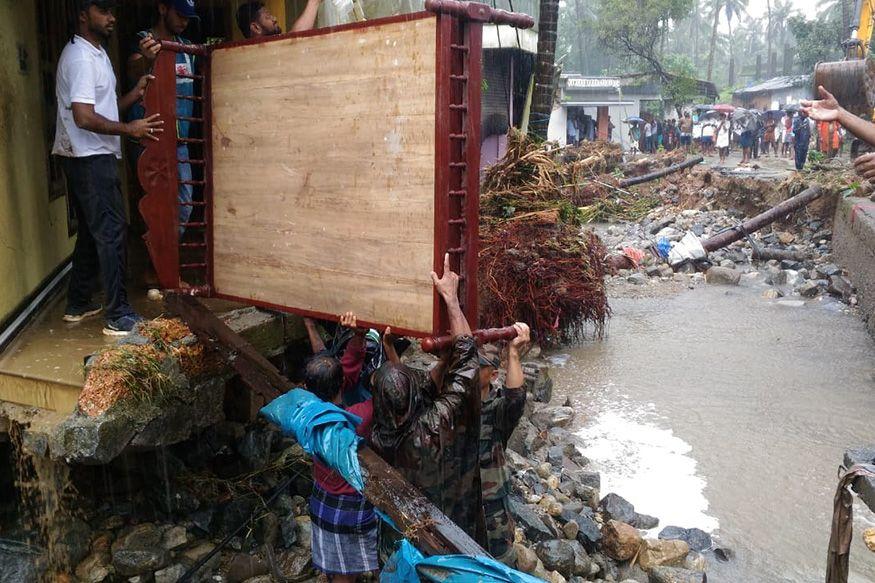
[(408, 565), (323, 429)]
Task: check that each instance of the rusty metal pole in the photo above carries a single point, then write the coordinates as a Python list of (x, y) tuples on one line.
[(660, 173), (758, 222)]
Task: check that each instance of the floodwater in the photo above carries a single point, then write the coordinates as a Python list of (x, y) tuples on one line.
[(719, 409)]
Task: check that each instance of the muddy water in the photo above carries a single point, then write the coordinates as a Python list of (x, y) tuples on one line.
[(719, 409)]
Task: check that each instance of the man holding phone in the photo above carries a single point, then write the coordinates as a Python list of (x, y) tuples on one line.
[(172, 19)]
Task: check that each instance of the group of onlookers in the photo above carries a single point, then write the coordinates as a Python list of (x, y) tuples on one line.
[(778, 134)]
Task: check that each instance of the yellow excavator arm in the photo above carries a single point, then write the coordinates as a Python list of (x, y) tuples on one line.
[(857, 46)]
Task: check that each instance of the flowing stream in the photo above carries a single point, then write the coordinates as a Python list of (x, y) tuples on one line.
[(719, 409)]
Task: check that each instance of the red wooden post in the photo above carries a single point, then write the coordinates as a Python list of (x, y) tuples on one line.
[(158, 173)]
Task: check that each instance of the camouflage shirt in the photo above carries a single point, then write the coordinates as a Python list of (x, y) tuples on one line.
[(439, 451), (499, 415)]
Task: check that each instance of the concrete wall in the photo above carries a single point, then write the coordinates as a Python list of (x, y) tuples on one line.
[(33, 231), (854, 247)]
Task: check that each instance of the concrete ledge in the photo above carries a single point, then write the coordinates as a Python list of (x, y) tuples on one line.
[(854, 247), (863, 486)]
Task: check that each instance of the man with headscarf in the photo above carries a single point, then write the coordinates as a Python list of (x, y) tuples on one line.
[(433, 442)]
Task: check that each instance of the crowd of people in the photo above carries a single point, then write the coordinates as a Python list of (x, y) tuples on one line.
[(785, 134), (445, 430)]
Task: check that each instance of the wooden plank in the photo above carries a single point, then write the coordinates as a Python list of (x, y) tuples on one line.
[(420, 520), (323, 172)]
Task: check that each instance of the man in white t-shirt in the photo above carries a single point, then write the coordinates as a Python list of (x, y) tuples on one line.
[(87, 140), (648, 137)]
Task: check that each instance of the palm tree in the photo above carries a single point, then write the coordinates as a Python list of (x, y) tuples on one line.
[(782, 11), (542, 97), (769, 38), (732, 8)]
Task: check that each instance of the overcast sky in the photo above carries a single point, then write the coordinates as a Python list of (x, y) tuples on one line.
[(758, 7)]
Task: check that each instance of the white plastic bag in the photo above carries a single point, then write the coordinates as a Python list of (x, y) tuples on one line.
[(687, 249)]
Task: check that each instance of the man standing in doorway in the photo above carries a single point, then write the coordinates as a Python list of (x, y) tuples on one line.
[(87, 140), (255, 20), (172, 20)]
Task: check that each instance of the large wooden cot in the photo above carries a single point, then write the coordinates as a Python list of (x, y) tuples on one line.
[(333, 169)]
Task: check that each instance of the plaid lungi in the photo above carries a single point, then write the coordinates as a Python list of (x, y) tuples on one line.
[(344, 533)]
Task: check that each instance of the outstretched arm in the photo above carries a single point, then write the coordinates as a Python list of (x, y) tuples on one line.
[(307, 20), (827, 108), (316, 343)]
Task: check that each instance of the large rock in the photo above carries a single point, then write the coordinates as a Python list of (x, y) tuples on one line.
[(170, 574), (95, 568), (525, 439), (615, 507), (582, 564), (656, 552), (697, 539), (588, 534), (722, 276), (549, 417), (529, 520), (676, 575), (620, 541), (140, 550), (556, 555), (242, 566), (256, 445), (526, 559), (538, 382), (645, 521), (293, 563), (130, 562), (20, 563)]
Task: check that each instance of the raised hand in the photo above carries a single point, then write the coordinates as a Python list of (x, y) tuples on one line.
[(448, 284), (826, 108), (149, 47), (523, 337)]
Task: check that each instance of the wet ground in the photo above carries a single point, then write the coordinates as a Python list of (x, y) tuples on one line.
[(719, 409)]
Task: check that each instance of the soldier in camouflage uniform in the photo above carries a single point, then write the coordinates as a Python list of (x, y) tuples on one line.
[(500, 413), (433, 440)]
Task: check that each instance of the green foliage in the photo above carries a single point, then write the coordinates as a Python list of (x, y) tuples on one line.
[(682, 88), (636, 29), (816, 42)]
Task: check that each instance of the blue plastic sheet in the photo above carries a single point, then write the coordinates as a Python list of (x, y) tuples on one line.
[(408, 565), (322, 429)]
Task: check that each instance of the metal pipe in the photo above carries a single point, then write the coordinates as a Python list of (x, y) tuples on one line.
[(660, 173), (790, 205)]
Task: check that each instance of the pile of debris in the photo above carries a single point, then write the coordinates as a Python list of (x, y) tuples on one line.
[(535, 264), (540, 269), (792, 256)]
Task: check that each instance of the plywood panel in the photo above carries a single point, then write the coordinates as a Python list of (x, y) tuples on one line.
[(323, 172)]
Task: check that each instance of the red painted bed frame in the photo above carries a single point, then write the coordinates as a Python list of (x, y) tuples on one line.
[(457, 156)]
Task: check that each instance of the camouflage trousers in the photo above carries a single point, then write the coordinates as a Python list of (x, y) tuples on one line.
[(500, 531)]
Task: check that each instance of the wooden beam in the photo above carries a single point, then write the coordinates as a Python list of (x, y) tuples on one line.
[(421, 521)]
